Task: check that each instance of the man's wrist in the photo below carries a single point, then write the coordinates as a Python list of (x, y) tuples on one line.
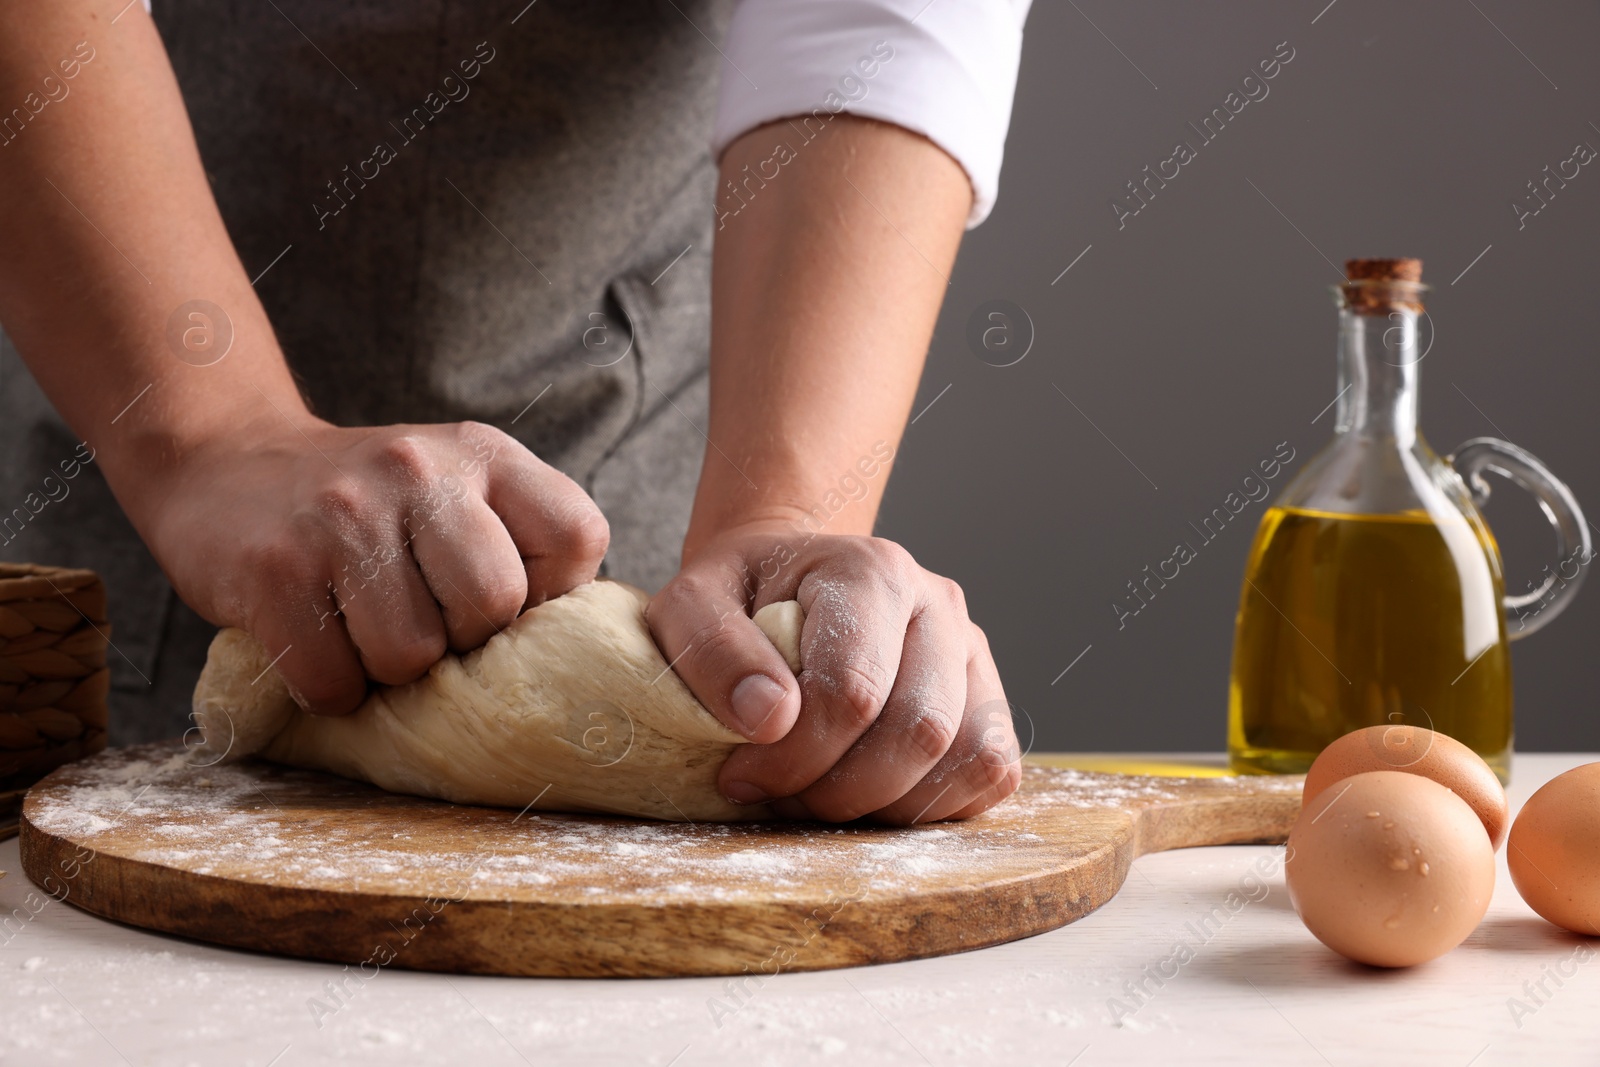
[(789, 525), (795, 503), (177, 422)]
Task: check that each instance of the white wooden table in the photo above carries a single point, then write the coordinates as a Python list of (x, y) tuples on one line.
[(1253, 988)]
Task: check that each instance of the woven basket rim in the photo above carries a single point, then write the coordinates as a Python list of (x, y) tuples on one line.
[(20, 570), (68, 578)]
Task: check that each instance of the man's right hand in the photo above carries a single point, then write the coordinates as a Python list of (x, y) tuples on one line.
[(348, 552), (357, 553)]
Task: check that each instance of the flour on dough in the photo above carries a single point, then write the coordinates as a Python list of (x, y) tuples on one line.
[(572, 708)]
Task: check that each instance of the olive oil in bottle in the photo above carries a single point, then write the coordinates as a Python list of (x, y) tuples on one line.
[(1352, 620)]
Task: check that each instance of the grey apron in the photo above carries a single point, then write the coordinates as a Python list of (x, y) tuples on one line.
[(509, 223)]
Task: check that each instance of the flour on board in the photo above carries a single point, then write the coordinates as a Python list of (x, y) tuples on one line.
[(261, 822)]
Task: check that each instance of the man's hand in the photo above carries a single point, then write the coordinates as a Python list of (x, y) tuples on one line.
[(898, 712), (366, 552)]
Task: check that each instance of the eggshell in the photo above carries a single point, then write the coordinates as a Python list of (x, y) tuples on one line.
[(1389, 868), (1415, 750), (1554, 851)]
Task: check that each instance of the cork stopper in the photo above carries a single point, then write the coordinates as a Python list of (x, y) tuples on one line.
[(1379, 286)]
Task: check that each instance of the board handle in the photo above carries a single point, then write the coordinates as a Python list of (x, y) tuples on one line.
[(1241, 810)]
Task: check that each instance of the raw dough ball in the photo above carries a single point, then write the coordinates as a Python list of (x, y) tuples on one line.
[(1389, 868), (571, 708), (1415, 750), (1554, 852)]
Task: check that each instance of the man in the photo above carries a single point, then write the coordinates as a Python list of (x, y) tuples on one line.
[(474, 329)]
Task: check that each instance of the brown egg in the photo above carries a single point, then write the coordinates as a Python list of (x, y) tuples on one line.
[(1554, 852), (1415, 750), (1389, 868)]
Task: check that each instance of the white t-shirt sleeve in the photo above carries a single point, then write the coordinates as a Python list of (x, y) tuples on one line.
[(946, 69)]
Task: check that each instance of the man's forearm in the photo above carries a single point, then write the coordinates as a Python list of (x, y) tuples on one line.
[(832, 258), (107, 226)]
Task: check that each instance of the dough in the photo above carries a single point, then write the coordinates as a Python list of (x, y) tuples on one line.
[(570, 708)]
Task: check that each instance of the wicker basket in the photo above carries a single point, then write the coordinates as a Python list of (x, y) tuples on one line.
[(53, 675)]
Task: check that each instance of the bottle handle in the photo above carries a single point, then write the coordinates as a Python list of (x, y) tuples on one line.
[(1531, 611)]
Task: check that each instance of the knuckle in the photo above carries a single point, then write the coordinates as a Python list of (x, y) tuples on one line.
[(892, 557), (996, 770), (931, 734), (473, 616), (472, 432), (1009, 782), (493, 587), (480, 444), (400, 658), (980, 640), (714, 648), (409, 658), (337, 499), (855, 694), (578, 530), (501, 598), (406, 454), (950, 594)]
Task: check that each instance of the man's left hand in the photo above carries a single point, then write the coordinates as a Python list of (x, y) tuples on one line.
[(898, 712)]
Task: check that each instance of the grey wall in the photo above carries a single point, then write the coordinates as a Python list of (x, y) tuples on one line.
[(1200, 335)]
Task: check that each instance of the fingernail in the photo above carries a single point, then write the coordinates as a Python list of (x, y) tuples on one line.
[(744, 793), (754, 700)]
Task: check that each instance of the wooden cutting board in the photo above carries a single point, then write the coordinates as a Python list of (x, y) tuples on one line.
[(307, 864)]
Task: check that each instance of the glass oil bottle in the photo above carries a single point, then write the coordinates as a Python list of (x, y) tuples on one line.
[(1374, 593)]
